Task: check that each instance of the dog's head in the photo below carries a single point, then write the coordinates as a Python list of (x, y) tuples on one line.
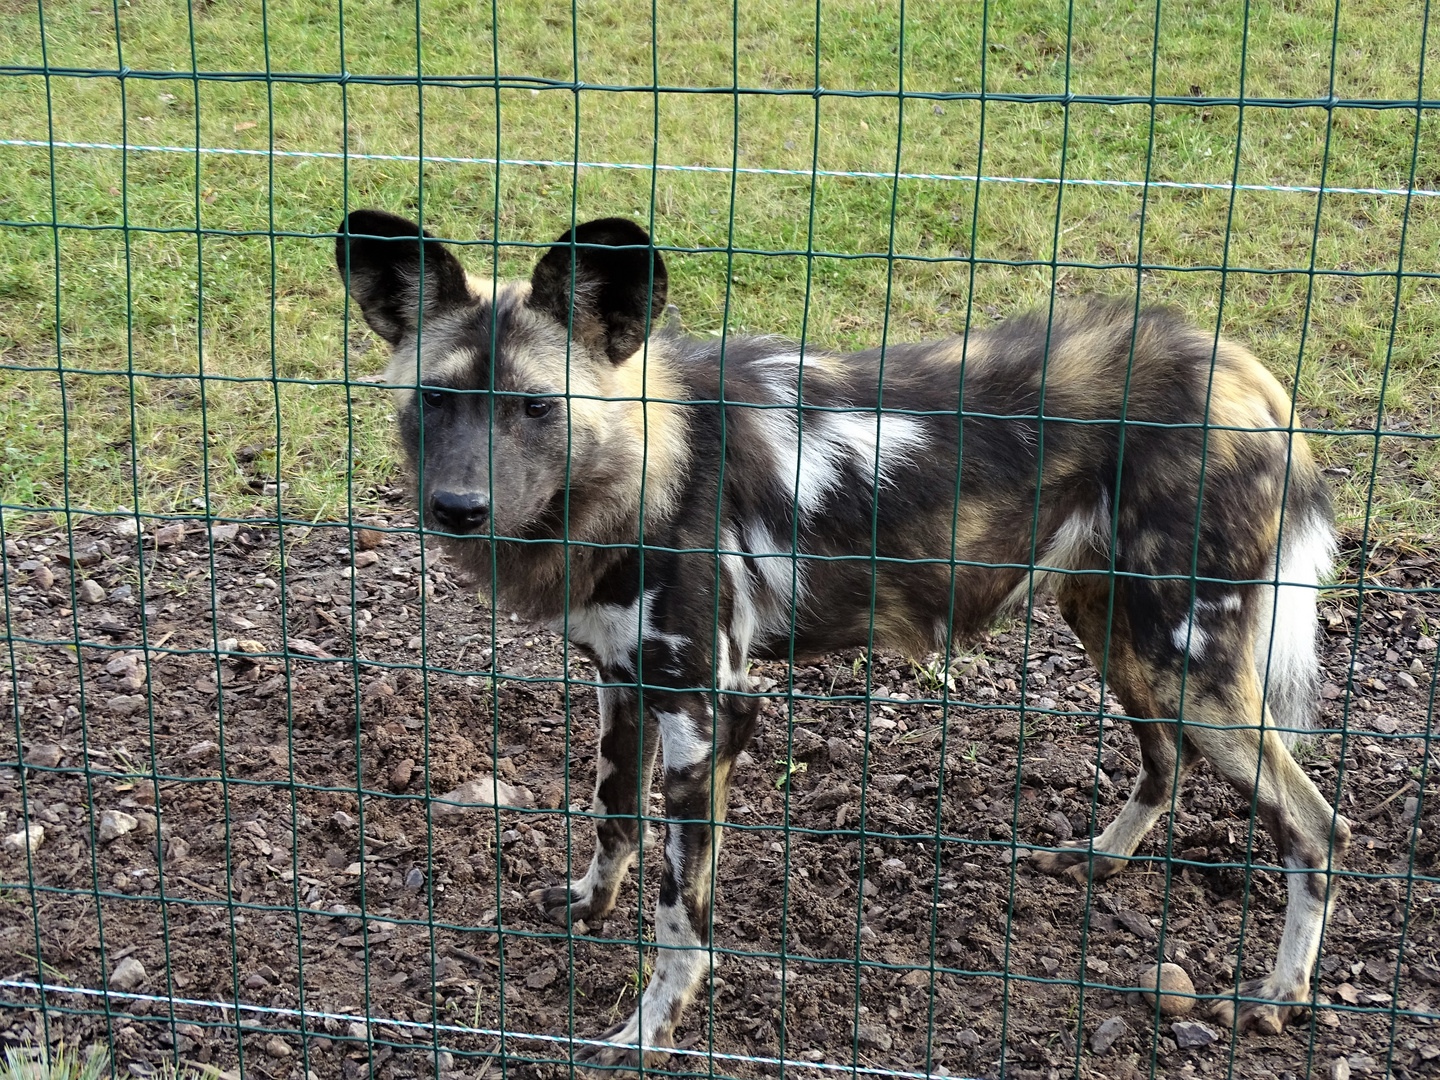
[(509, 393)]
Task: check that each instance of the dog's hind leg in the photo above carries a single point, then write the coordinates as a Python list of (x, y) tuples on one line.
[(1311, 838), (1085, 604), (623, 767)]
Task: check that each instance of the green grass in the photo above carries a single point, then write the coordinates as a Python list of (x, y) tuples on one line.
[(32, 1062), (138, 313), (62, 1063)]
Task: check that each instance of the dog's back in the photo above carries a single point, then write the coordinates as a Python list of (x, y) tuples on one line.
[(1089, 441)]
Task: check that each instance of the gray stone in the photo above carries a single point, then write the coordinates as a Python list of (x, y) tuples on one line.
[(125, 704), (1107, 1034), (115, 824), (128, 974), (27, 839), (1191, 1033), (90, 592), (44, 756), (874, 1035), (483, 791)]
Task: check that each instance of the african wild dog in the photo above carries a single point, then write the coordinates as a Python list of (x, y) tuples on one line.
[(547, 409)]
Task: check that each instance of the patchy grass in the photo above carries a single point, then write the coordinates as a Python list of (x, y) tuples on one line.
[(198, 367)]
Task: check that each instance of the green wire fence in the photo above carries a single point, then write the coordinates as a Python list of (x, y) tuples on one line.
[(246, 695)]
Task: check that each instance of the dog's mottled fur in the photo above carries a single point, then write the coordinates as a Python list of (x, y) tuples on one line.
[(555, 410)]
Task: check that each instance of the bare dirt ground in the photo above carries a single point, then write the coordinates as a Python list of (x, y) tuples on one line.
[(275, 845)]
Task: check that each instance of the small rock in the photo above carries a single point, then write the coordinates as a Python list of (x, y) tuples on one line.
[(1340, 1069), (1407, 817), (414, 879), (115, 824), (124, 592), (125, 704), (12, 549), (220, 534), (1424, 644), (542, 977), (806, 745), (1175, 984), (178, 848), (128, 974), (366, 558), (202, 750), (400, 775), (146, 824), (90, 592), (255, 982), (485, 791), (249, 645), (124, 662), (44, 756), (839, 751), (42, 578), (1405, 679), (1137, 924), (27, 839), (1362, 1063), (170, 534), (1189, 1033), (342, 819), (1107, 1034), (874, 1035), (277, 1047), (127, 528)]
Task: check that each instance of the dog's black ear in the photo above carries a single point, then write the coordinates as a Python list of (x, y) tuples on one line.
[(619, 285), (379, 257)]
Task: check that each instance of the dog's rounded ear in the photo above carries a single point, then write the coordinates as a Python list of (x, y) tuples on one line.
[(614, 294), (379, 257)]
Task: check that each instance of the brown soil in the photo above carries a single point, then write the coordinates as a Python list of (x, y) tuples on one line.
[(242, 881)]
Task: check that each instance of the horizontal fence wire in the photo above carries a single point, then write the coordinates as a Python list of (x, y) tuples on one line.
[(291, 830), (744, 170)]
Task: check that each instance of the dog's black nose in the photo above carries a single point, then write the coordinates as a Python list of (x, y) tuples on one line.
[(460, 511)]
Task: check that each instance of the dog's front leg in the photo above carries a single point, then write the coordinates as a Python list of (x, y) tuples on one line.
[(624, 762), (697, 779)]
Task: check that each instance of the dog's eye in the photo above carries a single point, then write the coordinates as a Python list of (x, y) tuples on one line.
[(535, 408), (434, 399)]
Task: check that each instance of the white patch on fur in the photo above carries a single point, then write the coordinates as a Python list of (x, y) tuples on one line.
[(613, 632), (761, 609), (1228, 602), (681, 745), (744, 619), (780, 567), (1073, 546), (1286, 658), (809, 462), (1189, 637)]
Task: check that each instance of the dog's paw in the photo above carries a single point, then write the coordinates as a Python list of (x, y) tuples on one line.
[(1078, 861), (1266, 1017), (566, 905), (616, 1050)]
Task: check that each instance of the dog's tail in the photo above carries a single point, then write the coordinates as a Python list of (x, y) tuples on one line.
[(1286, 648)]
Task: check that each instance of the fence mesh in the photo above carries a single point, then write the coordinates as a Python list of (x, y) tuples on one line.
[(278, 781)]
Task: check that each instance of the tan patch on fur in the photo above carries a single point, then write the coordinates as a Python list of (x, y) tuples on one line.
[(656, 428)]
